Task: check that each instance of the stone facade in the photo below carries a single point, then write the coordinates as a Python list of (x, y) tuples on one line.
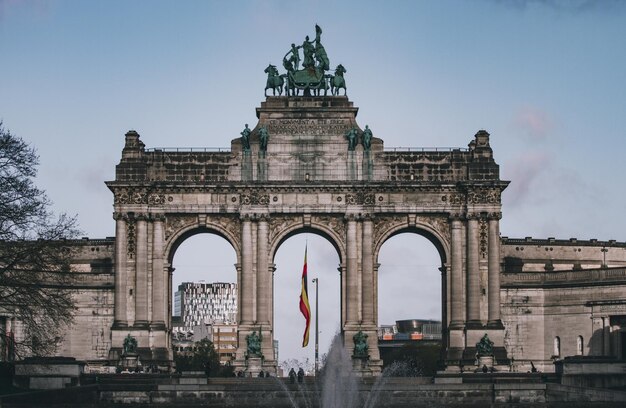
[(308, 180), (562, 298), (524, 293)]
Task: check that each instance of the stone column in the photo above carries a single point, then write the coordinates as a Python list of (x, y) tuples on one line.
[(376, 266), (456, 274), (444, 303), (263, 273), (473, 272), (494, 271), (606, 336), (352, 300), (246, 271), (141, 272), (254, 274), (344, 294), (240, 286), (121, 286), (367, 276), (158, 273)]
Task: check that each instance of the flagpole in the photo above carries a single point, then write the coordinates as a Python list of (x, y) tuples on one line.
[(317, 346)]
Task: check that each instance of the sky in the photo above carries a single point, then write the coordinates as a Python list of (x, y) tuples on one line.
[(547, 80)]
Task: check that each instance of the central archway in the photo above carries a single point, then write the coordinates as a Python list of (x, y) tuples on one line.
[(289, 324)]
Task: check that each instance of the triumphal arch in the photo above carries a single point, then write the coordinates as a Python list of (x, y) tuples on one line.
[(308, 166)]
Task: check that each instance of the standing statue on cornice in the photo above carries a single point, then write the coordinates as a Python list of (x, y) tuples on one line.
[(245, 138), (366, 137)]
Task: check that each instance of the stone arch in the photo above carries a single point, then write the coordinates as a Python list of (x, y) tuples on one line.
[(435, 230), (315, 228), (189, 230), (434, 234)]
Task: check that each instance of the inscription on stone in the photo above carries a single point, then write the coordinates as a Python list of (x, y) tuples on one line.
[(307, 127)]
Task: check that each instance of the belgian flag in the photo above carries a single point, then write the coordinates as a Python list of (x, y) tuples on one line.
[(304, 303)]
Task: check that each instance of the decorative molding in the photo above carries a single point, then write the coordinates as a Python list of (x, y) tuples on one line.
[(494, 215), (131, 237), (483, 196), (156, 199), (174, 223), (439, 223), (361, 198), (281, 223), (335, 223), (454, 198), (254, 198), (384, 223), (483, 233)]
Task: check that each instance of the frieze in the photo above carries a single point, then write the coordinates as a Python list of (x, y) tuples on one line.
[(307, 127), (156, 199), (483, 196), (255, 198), (361, 198), (453, 199)]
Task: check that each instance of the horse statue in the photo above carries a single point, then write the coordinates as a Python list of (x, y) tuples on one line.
[(337, 81), (274, 80)]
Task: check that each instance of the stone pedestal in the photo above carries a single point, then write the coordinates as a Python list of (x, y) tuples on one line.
[(254, 365), (129, 362), (360, 366), (485, 361)]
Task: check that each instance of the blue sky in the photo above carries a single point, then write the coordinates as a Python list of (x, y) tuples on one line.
[(546, 78)]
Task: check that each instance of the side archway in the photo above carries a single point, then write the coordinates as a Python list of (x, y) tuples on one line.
[(436, 232)]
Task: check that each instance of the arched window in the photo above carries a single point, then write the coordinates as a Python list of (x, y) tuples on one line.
[(557, 346), (579, 345)]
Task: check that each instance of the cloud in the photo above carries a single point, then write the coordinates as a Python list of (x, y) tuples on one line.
[(533, 122), (523, 171)]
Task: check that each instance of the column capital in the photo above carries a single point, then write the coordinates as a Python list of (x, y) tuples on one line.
[(368, 216), (157, 217), (246, 216), (352, 217), (142, 216), (473, 216), (457, 216), (494, 216), (262, 217), (118, 216)]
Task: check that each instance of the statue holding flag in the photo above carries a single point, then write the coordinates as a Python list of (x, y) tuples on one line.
[(304, 303)]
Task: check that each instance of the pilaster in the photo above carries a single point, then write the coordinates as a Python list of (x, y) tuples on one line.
[(158, 273), (121, 318), (264, 275), (352, 296), (473, 272), (494, 272), (247, 288), (141, 273)]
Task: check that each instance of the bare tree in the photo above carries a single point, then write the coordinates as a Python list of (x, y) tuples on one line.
[(35, 270)]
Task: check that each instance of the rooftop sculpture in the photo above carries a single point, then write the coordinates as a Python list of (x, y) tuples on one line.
[(312, 78)]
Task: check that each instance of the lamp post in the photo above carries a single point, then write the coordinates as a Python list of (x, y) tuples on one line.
[(317, 345)]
